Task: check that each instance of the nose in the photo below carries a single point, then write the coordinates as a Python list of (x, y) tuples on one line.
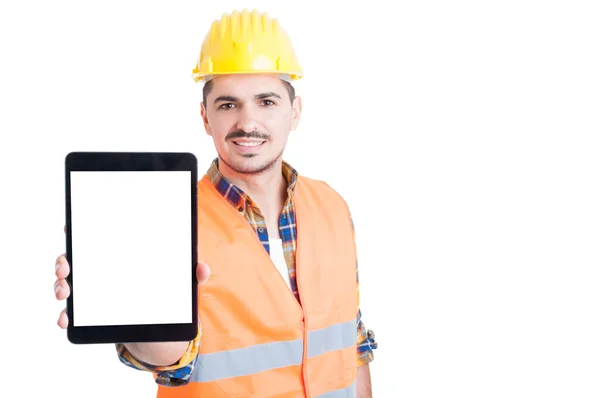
[(247, 120)]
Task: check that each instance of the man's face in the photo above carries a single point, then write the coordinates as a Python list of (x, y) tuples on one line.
[(250, 118)]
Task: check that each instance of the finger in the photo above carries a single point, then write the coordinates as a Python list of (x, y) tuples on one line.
[(62, 268), (61, 289), (202, 272), (63, 320)]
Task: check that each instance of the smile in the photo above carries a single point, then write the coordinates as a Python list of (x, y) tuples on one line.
[(248, 143)]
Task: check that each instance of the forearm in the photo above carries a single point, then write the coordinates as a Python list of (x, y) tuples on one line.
[(158, 354), (363, 382)]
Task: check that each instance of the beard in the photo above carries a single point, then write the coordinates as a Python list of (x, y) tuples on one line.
[(248, 168)]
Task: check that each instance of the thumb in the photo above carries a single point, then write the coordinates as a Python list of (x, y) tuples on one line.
[(202, 272)]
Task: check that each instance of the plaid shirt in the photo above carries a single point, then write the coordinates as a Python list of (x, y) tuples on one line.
[(179, 373)]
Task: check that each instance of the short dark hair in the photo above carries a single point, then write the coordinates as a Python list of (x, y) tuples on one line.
[(208, 86)]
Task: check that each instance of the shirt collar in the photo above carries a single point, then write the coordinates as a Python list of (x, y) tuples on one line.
[(234, 195)]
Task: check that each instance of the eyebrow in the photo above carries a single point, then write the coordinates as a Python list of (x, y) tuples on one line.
[(267, 95), (230, 98), (227, 98)]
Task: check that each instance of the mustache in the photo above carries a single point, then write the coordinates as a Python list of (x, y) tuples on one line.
[(243, 134)]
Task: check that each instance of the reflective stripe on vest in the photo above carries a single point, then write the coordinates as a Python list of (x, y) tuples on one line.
[(261, 357)]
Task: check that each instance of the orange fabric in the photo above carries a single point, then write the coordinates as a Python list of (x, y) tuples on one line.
[(325, 371), (245, 302)]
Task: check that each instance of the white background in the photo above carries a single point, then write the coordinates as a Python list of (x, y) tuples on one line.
[(464, 136)]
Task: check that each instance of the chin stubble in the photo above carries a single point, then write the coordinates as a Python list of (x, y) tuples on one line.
[(256, 170)]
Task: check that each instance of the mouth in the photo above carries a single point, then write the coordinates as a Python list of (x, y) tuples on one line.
[(249, 143)]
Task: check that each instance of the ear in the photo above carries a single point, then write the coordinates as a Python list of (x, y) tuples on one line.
[(296, 111), (205, 119)]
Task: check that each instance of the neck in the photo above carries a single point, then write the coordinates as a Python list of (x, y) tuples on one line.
[(267, 189)]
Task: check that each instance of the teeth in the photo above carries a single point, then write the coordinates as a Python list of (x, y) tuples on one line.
[(248, 143)]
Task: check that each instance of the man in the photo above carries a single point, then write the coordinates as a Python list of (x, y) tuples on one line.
[(278, 295)]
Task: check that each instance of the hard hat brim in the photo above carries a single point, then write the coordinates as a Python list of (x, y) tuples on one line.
[(203, 77)]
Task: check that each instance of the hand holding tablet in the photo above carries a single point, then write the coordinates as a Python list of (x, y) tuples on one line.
[(129, 274)]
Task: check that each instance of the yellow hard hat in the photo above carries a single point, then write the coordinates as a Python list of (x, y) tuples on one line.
[(246, 42)]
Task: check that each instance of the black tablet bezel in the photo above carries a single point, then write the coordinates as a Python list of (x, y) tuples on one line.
[(132, 161)]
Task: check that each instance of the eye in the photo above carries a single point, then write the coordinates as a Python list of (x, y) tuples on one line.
[(226, 106), (268, 102)]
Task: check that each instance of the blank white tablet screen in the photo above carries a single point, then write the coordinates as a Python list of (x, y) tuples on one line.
[(131, 247)]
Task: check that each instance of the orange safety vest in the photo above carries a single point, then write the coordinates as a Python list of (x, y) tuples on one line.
[(257, 340)]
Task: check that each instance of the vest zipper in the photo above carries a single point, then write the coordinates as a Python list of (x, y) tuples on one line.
[(304, 320), (300, 305)]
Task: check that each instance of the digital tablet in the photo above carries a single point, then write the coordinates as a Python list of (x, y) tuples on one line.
[(131, 246)]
